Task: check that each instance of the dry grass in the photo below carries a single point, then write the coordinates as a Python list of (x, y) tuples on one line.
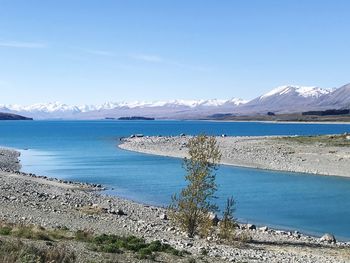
[(34, 232), (16, 251)]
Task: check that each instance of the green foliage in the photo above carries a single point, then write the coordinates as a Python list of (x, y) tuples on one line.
[(228, 223), (116, 244), (5, 230), (191, 208), (102, 243)]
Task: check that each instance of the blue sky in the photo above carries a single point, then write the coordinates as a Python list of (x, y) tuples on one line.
[(89, 51)]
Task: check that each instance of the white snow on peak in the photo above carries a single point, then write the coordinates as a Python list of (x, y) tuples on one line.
[(300, 90), (237, 101), (43, 107), (58, 107)]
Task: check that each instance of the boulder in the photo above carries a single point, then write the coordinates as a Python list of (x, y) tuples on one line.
[(329, 238), (120, 212), (163, 216), (251, 227), (263, 228), (214, 219)]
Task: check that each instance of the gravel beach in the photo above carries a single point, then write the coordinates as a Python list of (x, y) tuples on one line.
[(306, 155), (53, 203)]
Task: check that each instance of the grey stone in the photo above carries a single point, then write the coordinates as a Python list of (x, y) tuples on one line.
[(329, 238)]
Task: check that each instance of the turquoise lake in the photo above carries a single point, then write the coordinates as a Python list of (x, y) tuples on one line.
[(87, 151)]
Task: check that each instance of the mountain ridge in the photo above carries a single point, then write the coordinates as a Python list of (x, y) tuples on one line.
[(283, 99)]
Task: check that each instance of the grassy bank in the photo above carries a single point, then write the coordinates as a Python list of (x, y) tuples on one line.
[(30, 243)]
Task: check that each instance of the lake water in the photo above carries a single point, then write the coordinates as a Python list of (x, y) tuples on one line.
[(87, 151)]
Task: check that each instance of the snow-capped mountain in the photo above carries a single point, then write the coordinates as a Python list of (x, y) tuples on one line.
[(286, 99), (305, 92), (339, 98), (57, 110)]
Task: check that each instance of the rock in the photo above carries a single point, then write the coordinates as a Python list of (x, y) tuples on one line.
[(120, 212), (111, 211), (214, 219), (163, 216), (171, 229), (251, 227), (263, 228), (329, 238)]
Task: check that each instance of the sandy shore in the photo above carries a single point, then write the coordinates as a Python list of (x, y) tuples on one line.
[(266, 152), (53, 203)]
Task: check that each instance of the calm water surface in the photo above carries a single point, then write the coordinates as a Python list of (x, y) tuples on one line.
[(86, 151)]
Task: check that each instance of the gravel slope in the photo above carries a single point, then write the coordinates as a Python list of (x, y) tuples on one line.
[(264, 152)]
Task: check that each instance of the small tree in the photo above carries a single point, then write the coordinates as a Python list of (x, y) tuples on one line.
[(191, 209), (228, 222)]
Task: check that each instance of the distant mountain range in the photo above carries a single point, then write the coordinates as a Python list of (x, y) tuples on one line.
[(284, 99)]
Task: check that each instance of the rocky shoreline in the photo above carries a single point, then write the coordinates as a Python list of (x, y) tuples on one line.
[(263, 152), (57, 204)]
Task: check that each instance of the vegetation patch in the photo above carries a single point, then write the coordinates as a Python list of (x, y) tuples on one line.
[(144, 250), (17, 251), (84, 235), (34, 232), (101, 243)]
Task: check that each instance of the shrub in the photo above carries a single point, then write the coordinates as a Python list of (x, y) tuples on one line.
[(228, 223), (116, 244), (191, 209)]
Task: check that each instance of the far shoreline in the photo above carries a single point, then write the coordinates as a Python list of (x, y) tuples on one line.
[(246, 167), (200, 120), (275, 153), (273, 122)]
